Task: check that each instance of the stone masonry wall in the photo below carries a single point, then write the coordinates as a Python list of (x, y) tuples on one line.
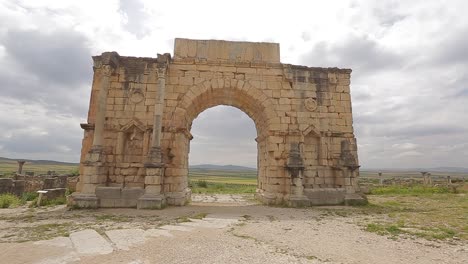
[(290, 105)]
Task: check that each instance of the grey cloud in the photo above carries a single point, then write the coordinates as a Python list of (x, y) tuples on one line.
[(462, 93), (418, 130), (360, 53), (61, 57), (387, 13), (431, 151), (136, 17), (52, 142), (452, 49), (51, 68), (53, 139), (48, 72), (231, 122)]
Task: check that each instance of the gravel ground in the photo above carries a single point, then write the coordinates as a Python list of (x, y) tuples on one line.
[(223, 229)]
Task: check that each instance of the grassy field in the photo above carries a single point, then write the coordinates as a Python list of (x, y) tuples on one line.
[(9, 167), (428, 212), (215, 181), (410, 174), (231, 177), (433, 213)]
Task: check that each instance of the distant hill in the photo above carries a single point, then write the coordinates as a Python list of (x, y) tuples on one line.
[(38, 162), (436, 169), (221, 167)]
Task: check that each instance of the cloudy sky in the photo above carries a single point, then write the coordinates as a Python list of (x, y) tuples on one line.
[(409, 61)]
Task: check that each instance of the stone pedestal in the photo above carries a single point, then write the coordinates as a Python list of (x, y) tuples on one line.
[(269, 198), (83, 200), (94, 175), (179, 198), (153, 197), (355, 199), (297, 198), (151, 201)]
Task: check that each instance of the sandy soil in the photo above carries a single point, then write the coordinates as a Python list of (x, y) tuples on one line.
[(223, 229)]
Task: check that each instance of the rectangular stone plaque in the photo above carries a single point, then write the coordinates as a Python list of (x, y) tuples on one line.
[(221, 50)]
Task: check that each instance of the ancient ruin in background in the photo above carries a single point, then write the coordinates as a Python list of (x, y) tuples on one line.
[(137, 138)]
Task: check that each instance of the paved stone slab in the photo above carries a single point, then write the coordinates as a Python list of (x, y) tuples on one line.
[(206, 224), (69, 258), (56, 242), (123, 239), (158, 233), (89, 242), (176, 228)]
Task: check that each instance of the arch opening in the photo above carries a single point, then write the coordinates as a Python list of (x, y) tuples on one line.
[(201, 97), (223, 152)]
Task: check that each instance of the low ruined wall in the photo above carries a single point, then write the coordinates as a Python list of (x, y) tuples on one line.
[(20, 184), (8, 185)]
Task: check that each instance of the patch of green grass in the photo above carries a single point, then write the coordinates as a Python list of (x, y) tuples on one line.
[(112, 218), (247, 217), (8, 200), (430, 216), (47, 202), (410, 190), (201, 184), (47, 231), (199, 216), (384, 229), (423, 232), (223, 188), (183, 219), (29, 196)]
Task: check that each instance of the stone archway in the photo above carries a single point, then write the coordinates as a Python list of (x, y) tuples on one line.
[(136, 142), (207, 94)]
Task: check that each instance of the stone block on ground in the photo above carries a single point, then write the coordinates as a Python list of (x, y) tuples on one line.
[(124, 239), (90, 242)]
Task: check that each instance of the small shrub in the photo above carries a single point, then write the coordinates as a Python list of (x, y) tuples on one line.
[(202, 184), (384, 229), (75, 172), (29, 196), (9, 200)]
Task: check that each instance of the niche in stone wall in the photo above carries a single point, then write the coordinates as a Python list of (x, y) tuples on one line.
[(311, 155), (131, 142)]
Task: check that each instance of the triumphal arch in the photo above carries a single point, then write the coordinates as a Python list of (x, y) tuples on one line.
[(137, 138)]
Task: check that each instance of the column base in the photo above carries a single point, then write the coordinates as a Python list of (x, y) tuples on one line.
[(298, 201), (355, 199), (268, 198), (151, 201), (83, 200), (179, 198)]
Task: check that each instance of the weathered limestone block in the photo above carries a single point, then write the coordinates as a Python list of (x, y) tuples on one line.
[(6, 185)]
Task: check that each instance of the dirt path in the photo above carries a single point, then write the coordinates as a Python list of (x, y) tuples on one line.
[(234, 231)]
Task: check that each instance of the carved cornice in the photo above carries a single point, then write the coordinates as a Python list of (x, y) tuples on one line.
[(87, 126)]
